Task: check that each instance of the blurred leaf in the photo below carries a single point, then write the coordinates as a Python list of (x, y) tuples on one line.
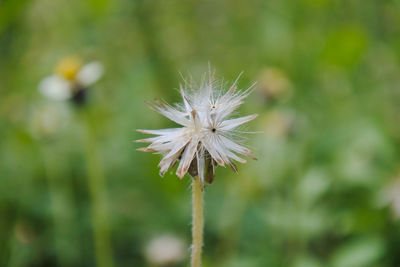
[(313, 185), (360, 252)]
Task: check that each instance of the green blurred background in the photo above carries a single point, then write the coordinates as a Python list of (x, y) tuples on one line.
[(324, 192)]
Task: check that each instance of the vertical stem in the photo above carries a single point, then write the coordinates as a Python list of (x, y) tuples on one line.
[(61, 206), (198, 222), (97, 191)]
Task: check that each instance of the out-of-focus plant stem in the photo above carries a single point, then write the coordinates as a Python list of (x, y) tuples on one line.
[(198, 222), (98, 197), (60, 205)]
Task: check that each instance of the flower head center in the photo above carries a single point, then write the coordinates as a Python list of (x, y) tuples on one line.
[(68, 68)]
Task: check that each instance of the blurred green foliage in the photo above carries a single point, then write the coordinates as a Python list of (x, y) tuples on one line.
[(323, 192)]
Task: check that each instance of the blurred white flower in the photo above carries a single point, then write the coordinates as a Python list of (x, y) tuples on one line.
[(165, 250), (70, 79), (90, 73), (208, 136), (56, 88)]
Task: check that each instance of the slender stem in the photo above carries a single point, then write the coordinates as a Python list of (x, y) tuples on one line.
[(60, 204), (98, 196), (198, 222)]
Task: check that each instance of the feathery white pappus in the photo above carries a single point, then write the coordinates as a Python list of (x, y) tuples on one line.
[(209, 135)]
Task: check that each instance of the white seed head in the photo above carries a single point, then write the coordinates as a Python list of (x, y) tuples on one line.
[(209, 136)]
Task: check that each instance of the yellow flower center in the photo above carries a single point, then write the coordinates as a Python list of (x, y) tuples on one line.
[(68, 67)]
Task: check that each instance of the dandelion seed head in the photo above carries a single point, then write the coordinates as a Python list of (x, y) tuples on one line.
[(209, 134)]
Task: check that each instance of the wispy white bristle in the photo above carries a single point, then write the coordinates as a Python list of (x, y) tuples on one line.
[(207, 130)]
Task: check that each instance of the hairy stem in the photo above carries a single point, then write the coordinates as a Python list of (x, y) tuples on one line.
[(198, 222)]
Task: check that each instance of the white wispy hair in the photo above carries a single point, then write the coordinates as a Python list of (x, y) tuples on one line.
[(209, 135)]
